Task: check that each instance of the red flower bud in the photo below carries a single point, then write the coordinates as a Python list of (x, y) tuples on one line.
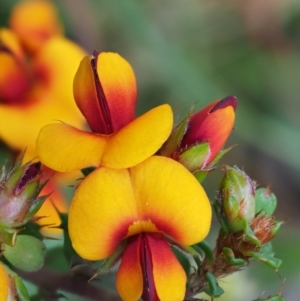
[(213, 124)]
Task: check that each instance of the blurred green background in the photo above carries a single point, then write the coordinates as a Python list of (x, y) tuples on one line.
[(195, 51)]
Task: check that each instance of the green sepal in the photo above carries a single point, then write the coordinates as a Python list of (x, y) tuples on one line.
[(231, 208), (223, 222), (69, 251), (276, 227), (7, 235), (33, 229), (194, 157), (276, 298), (110, 261), (206, 249), (86, 171), (186, 251), (29, 191), (268, 260), (14, 177), (265, 201), (249, 235), (21, 289), (35, 207), (213, 289), (189, 250), (173, 142), (230, 258), (200, 175), (219, 156)]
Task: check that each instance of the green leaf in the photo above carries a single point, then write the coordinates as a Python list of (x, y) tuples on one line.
[(213, 289), (173, 142), (206, 248), (230, 258)]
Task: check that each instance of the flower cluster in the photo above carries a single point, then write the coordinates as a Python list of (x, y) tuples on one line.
[(134, 203), (140, 206)]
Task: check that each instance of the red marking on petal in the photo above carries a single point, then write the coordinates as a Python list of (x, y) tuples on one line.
[(225, 102), (149, 290), (101, 97)]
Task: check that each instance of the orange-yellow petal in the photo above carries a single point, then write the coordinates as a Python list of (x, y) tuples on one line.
[(139, 139), (129, 281), (49, 211), (85, 95), (169, 276), (4, 284), (65, 148), (106, 96), (35, 21), (118, 81), (170, 196), (101, 211)]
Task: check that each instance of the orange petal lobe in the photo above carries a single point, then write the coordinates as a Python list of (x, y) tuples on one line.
[(139, 139), (217, 128), (86, 97), (54, 203), (129, 281), (118, 81), (101, 211), (4, 284), (65, 148), (169, 276), (170, 196)]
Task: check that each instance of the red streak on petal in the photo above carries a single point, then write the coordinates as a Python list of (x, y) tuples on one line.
[(101, 97), (149, 291)]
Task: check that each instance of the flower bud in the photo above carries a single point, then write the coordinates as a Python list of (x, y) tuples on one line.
[(19, 201), (105, 92), (237, 199), (213, 124), (197, 141), (28, 253)]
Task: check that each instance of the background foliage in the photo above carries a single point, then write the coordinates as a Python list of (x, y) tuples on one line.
[(194, 51)]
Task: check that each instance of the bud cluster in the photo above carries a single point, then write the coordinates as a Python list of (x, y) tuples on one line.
[(247, 228), (19, 202)]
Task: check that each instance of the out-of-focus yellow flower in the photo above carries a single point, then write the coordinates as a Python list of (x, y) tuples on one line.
[(36, 78), (35, 88), (34, 22), (143, 207), (4, 284)]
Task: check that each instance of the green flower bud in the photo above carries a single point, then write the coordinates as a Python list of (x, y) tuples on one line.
[(19, 201), (237, 199), (28, 253)]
